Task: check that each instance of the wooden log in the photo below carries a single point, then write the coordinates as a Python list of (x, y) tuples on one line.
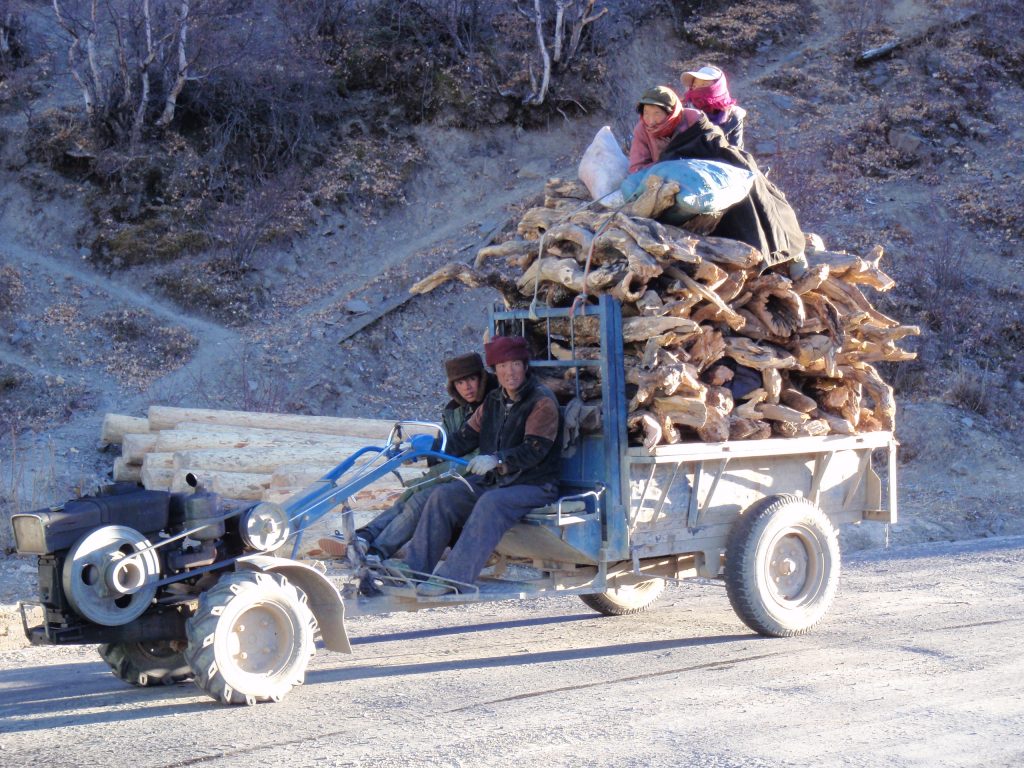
[(649, 424), (165, 417), (732, 286), (854, 269), (536, 221), (836, 424), (135, 446), (748, 429), (517, 253), (798, 401), (256, 460), (653, 238), (688, 411), (643, 328), (579, 239), (710, 274), (115, 426), (748, 409), (774, 412), (231, 485), (811, 279), (174, 440), (156, 478), (880, 392), (708, 349), (716, 427), (816, 353), (650, 303), (123, 472), (570, 188), (728, 315), (753, 355), (158, 461), (726, 252), (471, 278), (568, 273), (657, 197), (663, 381), (771, 382), (616, 245)]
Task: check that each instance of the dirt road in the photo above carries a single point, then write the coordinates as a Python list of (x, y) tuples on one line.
[(919, 663)]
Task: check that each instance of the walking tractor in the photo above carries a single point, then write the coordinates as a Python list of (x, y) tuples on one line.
[(175, 585)]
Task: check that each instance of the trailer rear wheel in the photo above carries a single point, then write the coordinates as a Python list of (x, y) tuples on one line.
[(627, 598), (782, 566), (143, 664), (251, 638)]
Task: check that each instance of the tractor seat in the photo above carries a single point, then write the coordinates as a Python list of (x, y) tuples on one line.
[(568, 510)]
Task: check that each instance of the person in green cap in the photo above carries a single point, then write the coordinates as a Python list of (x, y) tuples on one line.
[(662, 116), (388, 532)]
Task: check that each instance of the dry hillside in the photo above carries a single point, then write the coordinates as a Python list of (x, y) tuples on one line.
[(254, 251)]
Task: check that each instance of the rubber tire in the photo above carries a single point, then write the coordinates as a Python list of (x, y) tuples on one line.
[(782, 525), (634, 598), (215, 638), (146, 664)]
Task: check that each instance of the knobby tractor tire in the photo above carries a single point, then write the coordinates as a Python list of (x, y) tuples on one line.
[(142, 664), (782, 566), (626, 599), (251, 638)]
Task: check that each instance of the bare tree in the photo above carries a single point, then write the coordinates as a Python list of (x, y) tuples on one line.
[(12, 25), (130, 59), (559, 47)]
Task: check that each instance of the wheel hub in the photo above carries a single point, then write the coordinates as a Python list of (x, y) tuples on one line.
[(261, 638), (788, 567)]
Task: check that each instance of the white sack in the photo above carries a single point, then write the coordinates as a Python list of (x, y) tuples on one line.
[(604, 165)]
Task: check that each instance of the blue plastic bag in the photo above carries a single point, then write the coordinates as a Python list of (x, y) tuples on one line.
[(705, 186)]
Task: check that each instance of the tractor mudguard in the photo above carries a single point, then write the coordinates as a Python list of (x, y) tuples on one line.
[(321, 596)]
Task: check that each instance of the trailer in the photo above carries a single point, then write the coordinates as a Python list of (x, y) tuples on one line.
[(176, 586)]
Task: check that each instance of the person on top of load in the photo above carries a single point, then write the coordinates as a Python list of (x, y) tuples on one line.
[(707, 89), (662, 116), (517, 431)]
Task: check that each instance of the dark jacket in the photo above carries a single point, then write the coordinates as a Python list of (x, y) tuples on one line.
[(525, 434), (731, 123), (765, 218), (458, 410)]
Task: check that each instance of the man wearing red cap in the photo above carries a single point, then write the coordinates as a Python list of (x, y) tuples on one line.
[(516, 431)]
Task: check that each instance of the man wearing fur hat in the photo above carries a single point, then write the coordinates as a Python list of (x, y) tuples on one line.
[(468, 384), (516, 431)]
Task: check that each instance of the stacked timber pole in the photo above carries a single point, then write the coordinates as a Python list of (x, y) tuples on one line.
[(700, 314), (244, 455)]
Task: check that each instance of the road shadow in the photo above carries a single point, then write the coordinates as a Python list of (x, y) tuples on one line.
[(65, 690), (349, 673), (462, 629)]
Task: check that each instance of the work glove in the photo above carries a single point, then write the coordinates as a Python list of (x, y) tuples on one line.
[(481, 465)]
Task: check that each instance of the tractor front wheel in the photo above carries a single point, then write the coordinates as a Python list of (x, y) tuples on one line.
[(251, 638)]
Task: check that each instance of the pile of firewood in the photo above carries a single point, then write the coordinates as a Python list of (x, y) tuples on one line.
[(244, 455), (697, 312)]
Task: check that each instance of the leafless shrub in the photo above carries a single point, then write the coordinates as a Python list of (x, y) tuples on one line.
[(970, 389), (858, 19), (12, 287), (13, 48)]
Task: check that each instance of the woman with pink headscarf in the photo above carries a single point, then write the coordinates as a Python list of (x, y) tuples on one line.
[(706, 89)]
